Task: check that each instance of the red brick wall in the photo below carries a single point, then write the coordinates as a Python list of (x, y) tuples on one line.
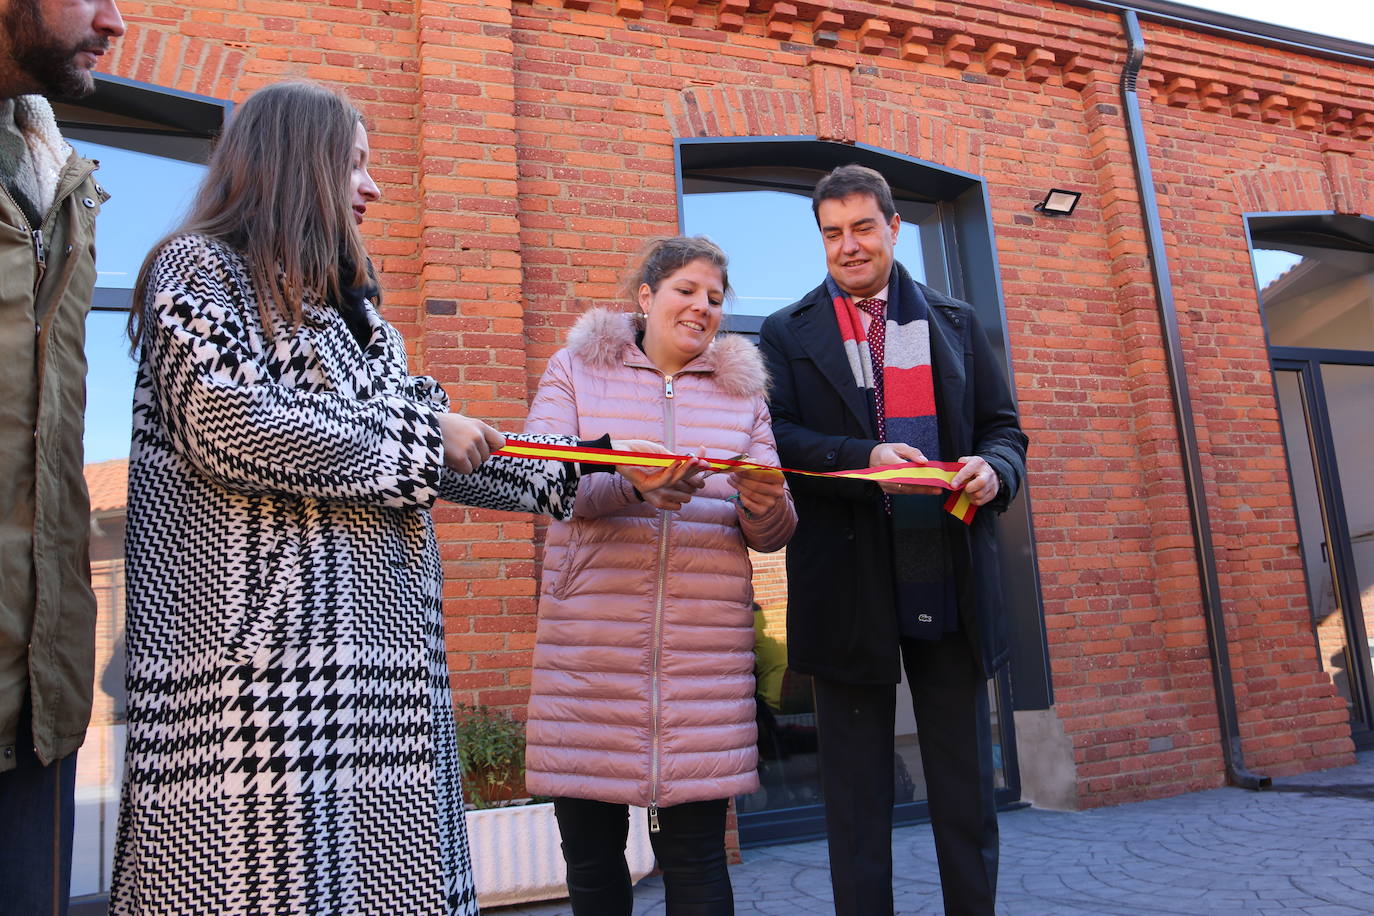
[(770, 578), (1218, 155), (525, 151)]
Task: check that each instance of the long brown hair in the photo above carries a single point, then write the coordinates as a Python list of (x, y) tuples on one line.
[(275, 191)]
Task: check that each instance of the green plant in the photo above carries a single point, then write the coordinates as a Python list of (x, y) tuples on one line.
[(491, 750)]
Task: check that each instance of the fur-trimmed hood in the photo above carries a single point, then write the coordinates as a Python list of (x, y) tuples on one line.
[(48, 152), (601, 335)]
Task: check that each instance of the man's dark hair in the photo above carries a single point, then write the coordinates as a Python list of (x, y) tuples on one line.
[(853, 179)]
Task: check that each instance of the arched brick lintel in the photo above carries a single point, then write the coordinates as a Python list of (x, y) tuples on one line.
[(1338, 187), (732, 111), (187, 64)]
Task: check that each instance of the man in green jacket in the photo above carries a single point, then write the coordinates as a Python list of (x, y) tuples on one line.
[(48, 203)]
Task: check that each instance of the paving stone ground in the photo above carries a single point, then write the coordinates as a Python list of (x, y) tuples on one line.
[(1306, 846)]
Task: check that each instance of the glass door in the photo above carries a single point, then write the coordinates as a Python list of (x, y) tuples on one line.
[(1320, 408), (1348, 395), (1315, 277)]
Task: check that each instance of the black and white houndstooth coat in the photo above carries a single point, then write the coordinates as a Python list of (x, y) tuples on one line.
[(290, 741)]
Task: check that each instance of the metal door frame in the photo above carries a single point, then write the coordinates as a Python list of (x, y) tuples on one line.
[(1307, 362)]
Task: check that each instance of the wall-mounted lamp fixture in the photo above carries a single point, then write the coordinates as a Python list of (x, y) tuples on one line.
[(1058, 202)]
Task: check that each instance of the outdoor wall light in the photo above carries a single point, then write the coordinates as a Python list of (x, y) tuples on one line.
[(1058, 202)]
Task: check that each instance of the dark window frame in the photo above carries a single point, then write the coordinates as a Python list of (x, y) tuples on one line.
[(128, 110), (1322, 228), (975, 278)]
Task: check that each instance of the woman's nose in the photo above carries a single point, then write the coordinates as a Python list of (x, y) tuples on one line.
[(369, 190)]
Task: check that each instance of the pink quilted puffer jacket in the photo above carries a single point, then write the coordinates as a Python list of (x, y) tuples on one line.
[(643, 689)]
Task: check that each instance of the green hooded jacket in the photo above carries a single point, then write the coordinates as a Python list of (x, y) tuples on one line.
[(47, 609)]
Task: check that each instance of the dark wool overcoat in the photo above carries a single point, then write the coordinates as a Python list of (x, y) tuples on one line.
[(291, 742), (841, 613)]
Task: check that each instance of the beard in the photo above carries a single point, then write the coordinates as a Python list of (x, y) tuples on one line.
[(45, 57)]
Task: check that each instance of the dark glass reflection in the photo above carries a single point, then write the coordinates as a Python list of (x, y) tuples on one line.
[(789, 769), (1316, 297), (1324, 598), (776, 254), (1350, 404)]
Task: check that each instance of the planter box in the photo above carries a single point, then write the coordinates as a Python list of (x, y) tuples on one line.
[(516, 857)]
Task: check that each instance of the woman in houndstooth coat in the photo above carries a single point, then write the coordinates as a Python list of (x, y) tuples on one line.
[(291, 745)]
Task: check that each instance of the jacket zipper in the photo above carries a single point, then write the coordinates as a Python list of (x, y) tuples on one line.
[(655, 685), (42, 257), (35, 235)]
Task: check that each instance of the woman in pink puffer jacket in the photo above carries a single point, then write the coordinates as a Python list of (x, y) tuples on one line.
[(643, 690)]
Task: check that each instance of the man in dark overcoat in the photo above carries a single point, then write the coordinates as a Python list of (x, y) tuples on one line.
[(872, 368)]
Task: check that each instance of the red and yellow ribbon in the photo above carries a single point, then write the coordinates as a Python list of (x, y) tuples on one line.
[(931, 474)]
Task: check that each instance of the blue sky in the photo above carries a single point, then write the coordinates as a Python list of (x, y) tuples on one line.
[(776, 253), (164, 188), (1352, 19)]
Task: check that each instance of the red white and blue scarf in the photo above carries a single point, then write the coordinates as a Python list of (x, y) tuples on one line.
[(926, 602)]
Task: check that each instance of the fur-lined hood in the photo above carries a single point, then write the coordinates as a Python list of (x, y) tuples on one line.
[(601, 335), (48, 152)]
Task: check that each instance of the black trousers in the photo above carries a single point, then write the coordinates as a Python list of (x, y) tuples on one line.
[(855, 724), (36, 820), (690, 848)]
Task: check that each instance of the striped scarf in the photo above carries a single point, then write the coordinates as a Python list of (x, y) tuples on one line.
[(926, 603)]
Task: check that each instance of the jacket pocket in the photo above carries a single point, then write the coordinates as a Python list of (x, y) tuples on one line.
[(559, 577), (270, 587)]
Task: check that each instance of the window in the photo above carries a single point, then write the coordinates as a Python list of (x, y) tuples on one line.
[(1316, 292), (151, 146), (762, 218)]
